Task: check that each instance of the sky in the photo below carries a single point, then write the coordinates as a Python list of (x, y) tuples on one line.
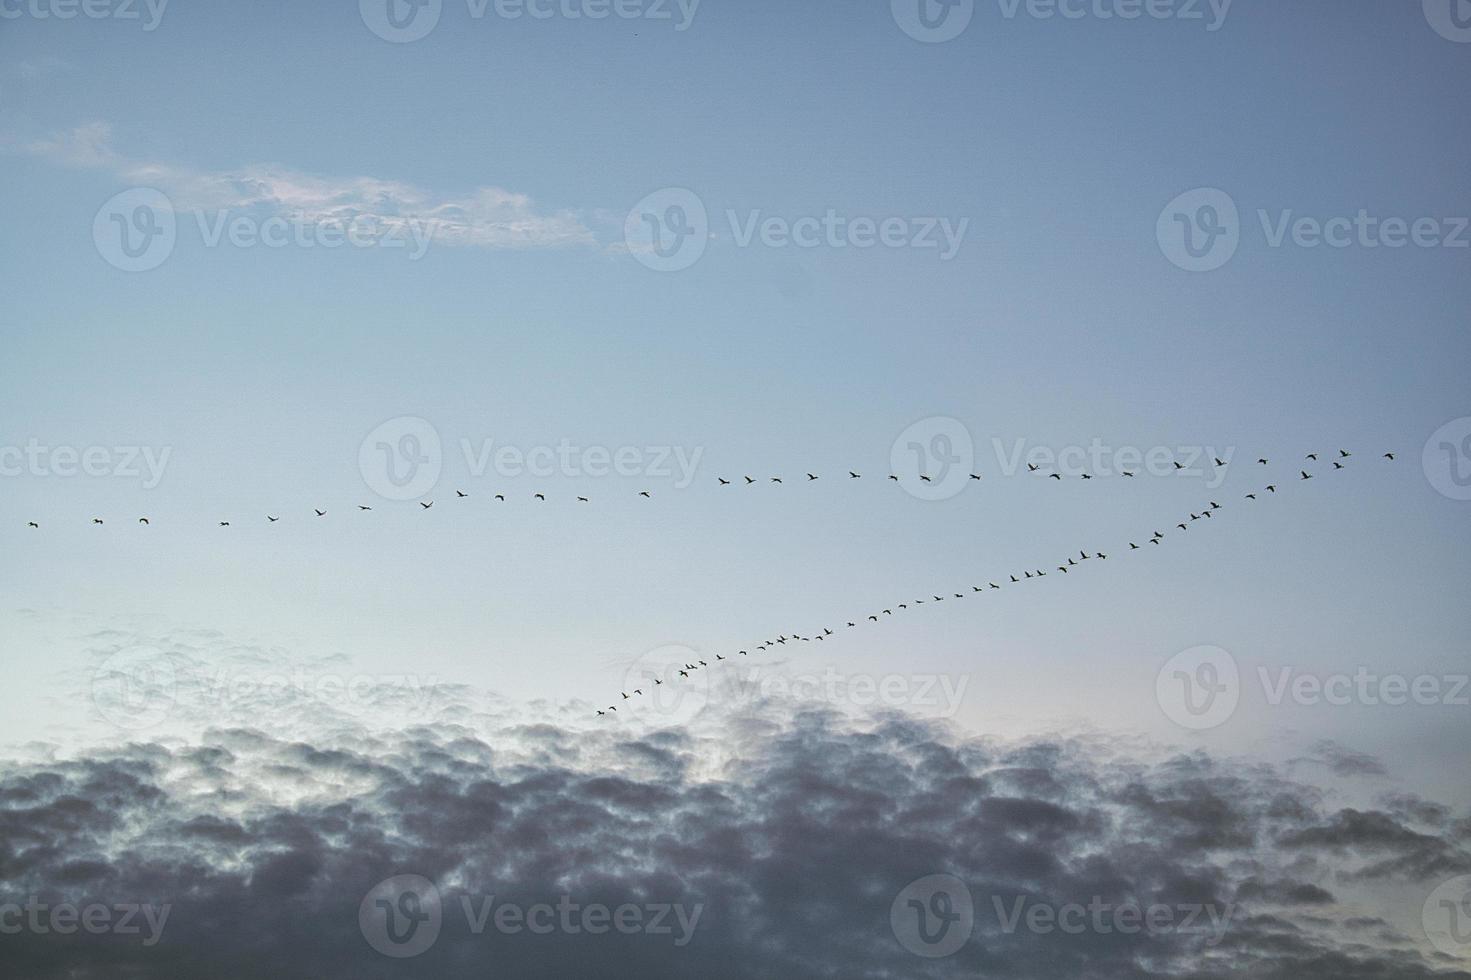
[(872, 236)]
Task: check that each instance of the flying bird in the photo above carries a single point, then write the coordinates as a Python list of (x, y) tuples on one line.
[(723, 482), (426, 506), (320, 513), (142, 520), (852, 475)]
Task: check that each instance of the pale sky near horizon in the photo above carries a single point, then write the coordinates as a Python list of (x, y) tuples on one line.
[(1059, 320)]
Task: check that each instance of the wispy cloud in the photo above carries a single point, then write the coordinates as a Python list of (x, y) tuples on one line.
[(485, 217)]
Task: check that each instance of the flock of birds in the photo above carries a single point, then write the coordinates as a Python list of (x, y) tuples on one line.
[(749, 480), (1066, 566)]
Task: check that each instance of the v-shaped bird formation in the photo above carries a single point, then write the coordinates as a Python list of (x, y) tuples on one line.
[(1067, 565)]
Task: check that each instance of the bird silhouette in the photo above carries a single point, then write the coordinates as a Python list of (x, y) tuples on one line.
[(272, 519), (142, 520), (1344, 454), (1031, 467), (852, 475), (723, 482), (320, 513), (96, 520), (749, 480), (460, 493), (501, 497), (975, 476), (1389, 456), (583, 499), (1312, 456), (1271, 488), (810, 477), (426, 506), (1055, 476), (1305, 475), (33, 524), (643, 493), (541, 496), (224, 523), (776, 479), (1262, 461)]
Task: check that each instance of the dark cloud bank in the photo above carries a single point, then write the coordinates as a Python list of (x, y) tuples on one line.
[(792, 829)]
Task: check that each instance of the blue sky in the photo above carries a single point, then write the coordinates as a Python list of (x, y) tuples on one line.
[(1059, 321)]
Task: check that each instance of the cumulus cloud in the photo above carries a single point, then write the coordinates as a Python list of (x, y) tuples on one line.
[(783, 833)]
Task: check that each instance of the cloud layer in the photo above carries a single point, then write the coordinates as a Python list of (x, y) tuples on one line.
[(791, 829)]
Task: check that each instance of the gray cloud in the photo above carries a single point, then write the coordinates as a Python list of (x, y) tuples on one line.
[(793, 829)]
